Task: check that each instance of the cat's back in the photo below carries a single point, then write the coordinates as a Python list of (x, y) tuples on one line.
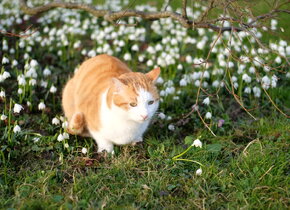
[(101, 66)]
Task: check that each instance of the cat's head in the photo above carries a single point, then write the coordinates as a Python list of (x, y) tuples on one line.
[(135, 95)]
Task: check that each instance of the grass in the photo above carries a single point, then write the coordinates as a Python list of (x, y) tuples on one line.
[(248, 168)]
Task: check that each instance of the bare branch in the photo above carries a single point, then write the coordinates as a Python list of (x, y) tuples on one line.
[(184, 5), (114, 16)]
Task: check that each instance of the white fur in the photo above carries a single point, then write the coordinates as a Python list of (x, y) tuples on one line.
[(119, 126)]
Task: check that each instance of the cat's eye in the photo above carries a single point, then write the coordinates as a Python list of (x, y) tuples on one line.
[(133, 104), (150, 102)]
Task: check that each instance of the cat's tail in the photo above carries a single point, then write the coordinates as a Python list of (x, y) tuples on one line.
[(77, 124)]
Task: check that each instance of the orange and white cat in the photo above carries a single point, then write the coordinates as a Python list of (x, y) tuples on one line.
[(108, 102)]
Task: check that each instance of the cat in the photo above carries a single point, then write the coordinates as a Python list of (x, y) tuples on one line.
[(105, 100)]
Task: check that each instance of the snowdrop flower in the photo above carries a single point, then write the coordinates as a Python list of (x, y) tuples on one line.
[(266, 82), (3, 117), (257, 91), (19, 91), (41, 106), (2, 94), (127, 57), (52, 89), (64, 124), (278, 59), (161, 116), (135, 47), (197, 143), (208, 115), (65, 135), (246, 78), (179, 67), (84, 150), (16, 129), (6, 74), (43, 83), (206, 101), (5, 60), (159, 80), (33, 63), (14, 63), (171, 127), (267, 68), (247, 90), (17, 108), (182, 82), (252, 70), (32, 82), (60, 137), (46, 72), (55, 121), (21, 80), (36, 139), (198, 172), (149, 63), (188, 59)]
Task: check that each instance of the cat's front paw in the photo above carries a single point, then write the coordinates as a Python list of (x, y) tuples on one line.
[(140, 139)]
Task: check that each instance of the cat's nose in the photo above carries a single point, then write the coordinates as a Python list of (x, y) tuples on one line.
[(144, 117)]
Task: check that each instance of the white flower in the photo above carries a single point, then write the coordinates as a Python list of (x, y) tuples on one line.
[(17, 108), (149, 63), (84, 150), (161, 115), (182, 82), (159, 80), (14, 63), (36, 139), (257, 91), (208, 115), (198, 172), (16, 129), (171, 127), (247, 90), (179, 67), (197, 143), (5, 60), (2, 94), (19, 91), (64, 124), (46, 72), (247, 78), (127, 57), (41, 106), (55, 121), (266, 82), (206, 101), (6, 74), (32, 82), (52, 89), (60, 137), (278, 59), (66, 145), (65, 135), (33, 63), (135, 47), (3, 117), (21, 80)]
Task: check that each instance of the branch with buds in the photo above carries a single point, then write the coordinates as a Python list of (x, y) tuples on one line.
[(114, 16)]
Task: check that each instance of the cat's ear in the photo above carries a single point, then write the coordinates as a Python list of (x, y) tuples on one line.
[(153, 74), (118, 84)]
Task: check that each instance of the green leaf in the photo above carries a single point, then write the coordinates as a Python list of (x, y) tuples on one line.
[(57, 198), (215, 148), (188, 140)]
